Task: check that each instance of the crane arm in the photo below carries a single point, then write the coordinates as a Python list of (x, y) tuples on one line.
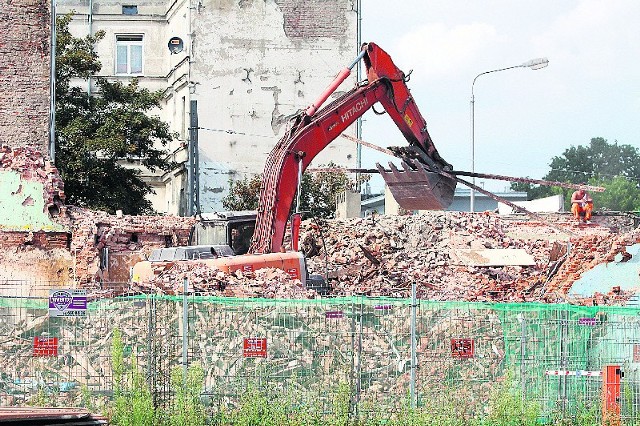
[(312, 130)]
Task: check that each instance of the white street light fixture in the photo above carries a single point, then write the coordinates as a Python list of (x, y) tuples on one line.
[(534, 64)]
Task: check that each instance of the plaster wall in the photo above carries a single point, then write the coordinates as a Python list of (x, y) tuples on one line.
[(22, 206), (256, 63)]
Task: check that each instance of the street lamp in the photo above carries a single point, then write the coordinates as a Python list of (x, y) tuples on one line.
[(534, 64)]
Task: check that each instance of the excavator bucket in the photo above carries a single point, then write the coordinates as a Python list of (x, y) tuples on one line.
[(416, 188)]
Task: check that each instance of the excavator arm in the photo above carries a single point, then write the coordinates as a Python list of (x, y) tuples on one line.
[(312, 130)]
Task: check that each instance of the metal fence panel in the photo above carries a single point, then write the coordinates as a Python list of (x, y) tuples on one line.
[(463, 349)]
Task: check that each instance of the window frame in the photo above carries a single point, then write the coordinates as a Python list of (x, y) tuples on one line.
[(129, 41)]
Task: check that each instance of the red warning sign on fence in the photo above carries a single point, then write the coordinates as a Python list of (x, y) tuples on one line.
[(45, 346), (255, 347), (462, 348)]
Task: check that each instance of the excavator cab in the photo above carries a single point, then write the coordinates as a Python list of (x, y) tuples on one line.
[(233, 229)]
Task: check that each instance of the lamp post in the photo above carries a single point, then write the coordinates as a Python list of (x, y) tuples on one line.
[(534, 64)]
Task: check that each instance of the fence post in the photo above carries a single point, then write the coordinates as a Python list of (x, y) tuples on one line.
[(185, 329), (523, 348), (352, 384), (151, 349), (564, 361), (359, 359), (412, 381)]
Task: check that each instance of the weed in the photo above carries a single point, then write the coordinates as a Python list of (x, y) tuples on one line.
[(132, 404), (507, 407), (187, 408)]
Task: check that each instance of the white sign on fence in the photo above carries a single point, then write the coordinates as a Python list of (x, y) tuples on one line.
[(67, 303), (577, 373)]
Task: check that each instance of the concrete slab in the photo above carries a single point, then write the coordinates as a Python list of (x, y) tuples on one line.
[(491, 257)]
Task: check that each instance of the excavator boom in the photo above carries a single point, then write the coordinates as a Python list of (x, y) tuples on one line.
[(417, 186)]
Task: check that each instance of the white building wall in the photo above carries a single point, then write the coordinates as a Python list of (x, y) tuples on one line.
[(261, 62)]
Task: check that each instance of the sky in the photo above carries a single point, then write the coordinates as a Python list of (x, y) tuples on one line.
[(523, 117)]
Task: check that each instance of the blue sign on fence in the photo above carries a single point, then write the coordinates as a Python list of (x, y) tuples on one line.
[(67, 303)]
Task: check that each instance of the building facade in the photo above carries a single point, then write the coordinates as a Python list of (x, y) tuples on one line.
[(241, 68)]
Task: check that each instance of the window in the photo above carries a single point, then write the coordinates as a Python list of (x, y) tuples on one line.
[(129, 54), (129, 10)]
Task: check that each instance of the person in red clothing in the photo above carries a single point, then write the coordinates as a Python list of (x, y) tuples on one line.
[(581, 205)]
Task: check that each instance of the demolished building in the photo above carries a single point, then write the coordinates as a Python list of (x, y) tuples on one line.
[(450, 255)]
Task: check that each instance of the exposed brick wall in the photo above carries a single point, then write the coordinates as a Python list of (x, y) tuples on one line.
[(24, 73), (42, 240), (314, 18), (128, 238), (81, 232)]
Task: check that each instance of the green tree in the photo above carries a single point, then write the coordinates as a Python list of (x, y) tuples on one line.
[(96, 135), (621, 194), (318, 194), (535, 191), (599, 160), (243, 194), (611, 165)]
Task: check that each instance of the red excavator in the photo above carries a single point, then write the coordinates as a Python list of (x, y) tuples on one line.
[(418, 187), (422, 184)]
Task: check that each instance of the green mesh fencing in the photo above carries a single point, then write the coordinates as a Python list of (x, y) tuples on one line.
[(463, 349)]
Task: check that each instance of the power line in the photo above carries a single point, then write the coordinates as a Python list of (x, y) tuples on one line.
[(233, 132)]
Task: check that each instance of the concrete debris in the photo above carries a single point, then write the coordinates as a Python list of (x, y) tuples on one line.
[(105, 245), (419, 248), (383, 256), (267, 283)]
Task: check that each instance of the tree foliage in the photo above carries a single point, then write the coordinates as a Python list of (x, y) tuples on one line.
[(621, 195), (96, 136), (243, 194), (614, 166), (318, 193)]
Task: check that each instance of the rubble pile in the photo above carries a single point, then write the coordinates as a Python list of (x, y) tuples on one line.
[(586, 253), (267, 283), (128, 239), (374, 256), (384, 255)]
